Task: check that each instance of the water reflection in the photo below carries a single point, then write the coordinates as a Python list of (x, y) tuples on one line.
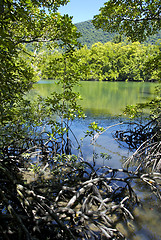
[(102, 101), (104, 98)]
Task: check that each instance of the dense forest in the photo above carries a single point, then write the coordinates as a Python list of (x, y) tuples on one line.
[(109, 62), (106, 56), (90, 35)]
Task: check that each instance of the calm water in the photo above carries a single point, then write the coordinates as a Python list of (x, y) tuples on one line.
[(104, 98), (103, 102)]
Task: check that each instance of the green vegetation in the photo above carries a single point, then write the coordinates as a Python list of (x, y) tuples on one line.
[(90, 35), (20, 24), (44, 190), (136, 19), (109, 61)]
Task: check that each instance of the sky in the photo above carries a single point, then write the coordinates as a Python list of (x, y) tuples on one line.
[(82, 10)]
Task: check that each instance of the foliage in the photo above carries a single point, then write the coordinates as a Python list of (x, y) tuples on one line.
[(136, 19), (66, 70), (21, 23), (91, 35), (93, 129), (43, 192), (153, 105), (109, 61), (153, 64)]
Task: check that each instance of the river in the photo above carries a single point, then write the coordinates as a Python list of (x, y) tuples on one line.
[(103, 102)]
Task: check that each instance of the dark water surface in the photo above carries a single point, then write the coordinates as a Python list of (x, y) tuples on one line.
[(103, 102)]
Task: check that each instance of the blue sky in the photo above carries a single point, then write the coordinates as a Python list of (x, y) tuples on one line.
[(82, 10)]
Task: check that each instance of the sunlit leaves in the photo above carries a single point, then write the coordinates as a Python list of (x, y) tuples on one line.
[(132, 111), (22, 22), (137, 19), (65, 69), (110, 61)]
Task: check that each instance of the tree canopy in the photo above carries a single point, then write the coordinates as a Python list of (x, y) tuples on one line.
[(108, 62), (136, 18), (23, 22)]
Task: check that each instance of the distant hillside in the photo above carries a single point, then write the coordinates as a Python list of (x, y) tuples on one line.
[(91, 35)]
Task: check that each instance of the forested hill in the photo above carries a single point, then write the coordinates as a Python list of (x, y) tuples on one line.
[(91, 35)]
